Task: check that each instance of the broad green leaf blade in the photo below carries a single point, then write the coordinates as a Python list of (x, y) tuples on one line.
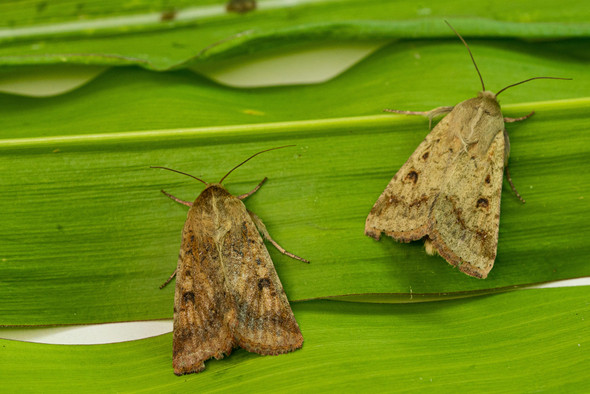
[(87, 231), (416, 76), (172, 34), (531, 340)]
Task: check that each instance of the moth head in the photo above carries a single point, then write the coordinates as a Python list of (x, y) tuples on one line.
[(486, 93), (229, 172)]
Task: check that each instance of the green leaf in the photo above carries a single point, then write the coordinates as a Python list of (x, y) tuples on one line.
[(418, 76), (89, 220), (170, 34), (86, 237), (86, 231), (526, 341)]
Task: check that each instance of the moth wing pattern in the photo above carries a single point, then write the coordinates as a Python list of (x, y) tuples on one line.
[(265, 321), (228, 293), (403, 209), (453, 194), (465, 217), (203, 312)]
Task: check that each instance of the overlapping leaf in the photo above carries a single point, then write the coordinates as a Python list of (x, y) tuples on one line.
[(86, 231), (172, 34)]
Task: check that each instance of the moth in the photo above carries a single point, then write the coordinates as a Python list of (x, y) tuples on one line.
[(227, 292), (449, 190)]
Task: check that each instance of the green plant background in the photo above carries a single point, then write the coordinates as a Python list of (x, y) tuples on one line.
[(87, 237)]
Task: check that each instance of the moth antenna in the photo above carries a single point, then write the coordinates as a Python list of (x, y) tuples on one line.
[(251, 157), (470, 54), (530, 79), (183, 173)]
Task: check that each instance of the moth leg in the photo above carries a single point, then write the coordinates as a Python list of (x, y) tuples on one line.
[(262, 229), (187, 203), (506, 154), (512, 186), (246, 195), (429, 114), (512, 120), (169, 279)]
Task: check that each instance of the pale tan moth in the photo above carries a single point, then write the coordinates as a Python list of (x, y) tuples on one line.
[(449, 190)]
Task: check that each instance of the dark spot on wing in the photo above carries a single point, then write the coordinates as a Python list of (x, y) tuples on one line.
[(188, 296), (488, 180), (263, 282), (412, 177), (482, 203), (425, 155)]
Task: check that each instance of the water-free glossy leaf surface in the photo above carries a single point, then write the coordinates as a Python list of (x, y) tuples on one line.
[(87, 237), (163, 35), (530, 340)]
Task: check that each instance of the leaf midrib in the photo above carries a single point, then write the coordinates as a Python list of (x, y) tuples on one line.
[(315, 125)]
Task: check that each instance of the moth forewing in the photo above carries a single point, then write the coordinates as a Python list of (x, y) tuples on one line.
[(464, 220), (402, 209), (265, 322), (203, 308)]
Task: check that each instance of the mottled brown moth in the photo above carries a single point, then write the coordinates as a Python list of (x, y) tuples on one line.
[(449, 190), (227, 292)]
